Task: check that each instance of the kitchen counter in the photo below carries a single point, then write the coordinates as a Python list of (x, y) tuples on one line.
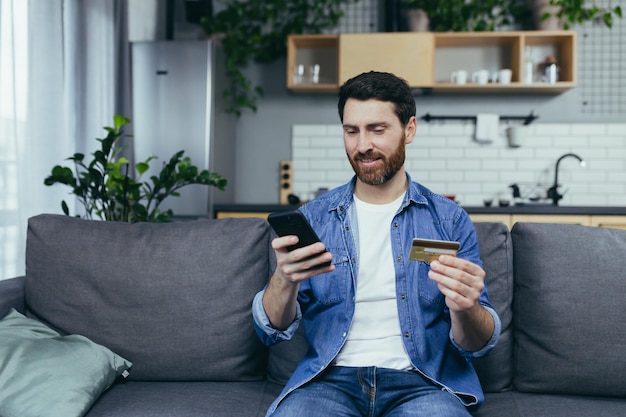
[(522, 209)]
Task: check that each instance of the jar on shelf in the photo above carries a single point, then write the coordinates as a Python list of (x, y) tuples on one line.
[(551, 70)]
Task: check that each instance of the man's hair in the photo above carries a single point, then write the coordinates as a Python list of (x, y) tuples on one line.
[(381, 86)]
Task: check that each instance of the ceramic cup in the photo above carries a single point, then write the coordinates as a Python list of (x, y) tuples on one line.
[(480, 77), (515, 135), (458, 77), (503, 76)]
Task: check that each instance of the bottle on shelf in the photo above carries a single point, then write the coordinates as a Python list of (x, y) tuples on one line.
[(551, 70), (529, 66)]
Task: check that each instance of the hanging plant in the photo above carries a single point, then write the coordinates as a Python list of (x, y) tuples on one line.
[(257, 30)]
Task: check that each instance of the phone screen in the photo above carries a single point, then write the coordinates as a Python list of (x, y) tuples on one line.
[(293, 223)]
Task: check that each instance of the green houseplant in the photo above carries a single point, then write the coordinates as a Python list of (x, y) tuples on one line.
[(256, 31), (571, 12), (460, 15), (107, 191)]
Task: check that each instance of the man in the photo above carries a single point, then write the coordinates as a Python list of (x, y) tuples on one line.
[(389, 336)]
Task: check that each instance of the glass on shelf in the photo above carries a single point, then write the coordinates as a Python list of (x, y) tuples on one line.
[(310, 76)]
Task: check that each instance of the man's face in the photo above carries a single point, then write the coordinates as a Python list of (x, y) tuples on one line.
[(375, 140)]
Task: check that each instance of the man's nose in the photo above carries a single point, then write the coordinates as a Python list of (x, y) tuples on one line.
[(364, 142)]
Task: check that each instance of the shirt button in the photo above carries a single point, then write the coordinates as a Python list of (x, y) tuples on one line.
[(399, 258), (395, 224), (344, 334), (403, 296), (407, 334), (347, 228)]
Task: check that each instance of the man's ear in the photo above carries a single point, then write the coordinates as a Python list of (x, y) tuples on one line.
[(409, 130)]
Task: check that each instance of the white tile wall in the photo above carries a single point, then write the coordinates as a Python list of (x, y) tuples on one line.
[(445, 158)]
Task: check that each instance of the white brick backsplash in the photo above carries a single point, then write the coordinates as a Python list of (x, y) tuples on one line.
[(448, 129), (325, 142), (609, 142), (570, 142), (309, 130), (618, 129), (445, 158), (588, 129), (447, 153), (552, 129)]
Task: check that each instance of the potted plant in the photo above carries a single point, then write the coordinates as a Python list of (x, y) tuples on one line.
[(256, 31), (107, 191), (461, 16), (561, 14)]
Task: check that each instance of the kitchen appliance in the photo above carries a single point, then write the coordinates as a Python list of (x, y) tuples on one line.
[(177, 106)]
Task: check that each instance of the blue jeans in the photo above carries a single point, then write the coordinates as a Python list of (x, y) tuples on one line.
[(370, 392)]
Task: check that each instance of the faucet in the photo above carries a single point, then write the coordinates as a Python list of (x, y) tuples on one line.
[(553, 191)]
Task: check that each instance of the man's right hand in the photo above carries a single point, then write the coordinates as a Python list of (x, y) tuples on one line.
[(302, 263), (292, 267)]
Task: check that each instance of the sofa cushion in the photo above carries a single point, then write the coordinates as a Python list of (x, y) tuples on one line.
[(45, 374), (11, 295), (285, 356), (495, 370), (173, 298), (518, 404), (569, 309), (186, 399)]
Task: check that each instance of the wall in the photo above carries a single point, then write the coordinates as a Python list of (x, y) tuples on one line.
[(445, 158), (265, 138)]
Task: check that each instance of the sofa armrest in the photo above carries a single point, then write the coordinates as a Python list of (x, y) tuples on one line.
[(11, 295)]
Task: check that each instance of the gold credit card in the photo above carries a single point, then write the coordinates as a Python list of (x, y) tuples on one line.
[(428, 250)]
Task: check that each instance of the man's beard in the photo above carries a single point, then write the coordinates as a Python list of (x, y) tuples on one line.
[(380, 174)]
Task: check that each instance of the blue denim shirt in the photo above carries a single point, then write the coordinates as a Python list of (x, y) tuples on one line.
[(326, 302)]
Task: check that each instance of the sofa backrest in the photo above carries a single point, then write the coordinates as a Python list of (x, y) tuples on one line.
[(569, 309), (495, 370), (173, 298)]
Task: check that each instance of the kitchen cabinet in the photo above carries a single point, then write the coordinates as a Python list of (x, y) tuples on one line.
[(501, 218), (340, 57), (426, 60), (611, 221), (613, 217), (241, 214), (614, 222)]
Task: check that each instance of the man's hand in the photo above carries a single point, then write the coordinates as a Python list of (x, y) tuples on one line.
[(462, 282), (302, 263), (281, 295)]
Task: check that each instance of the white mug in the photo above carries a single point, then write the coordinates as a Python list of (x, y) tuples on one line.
[(458, 77), (503, 76), (480, 77), (515, 135)]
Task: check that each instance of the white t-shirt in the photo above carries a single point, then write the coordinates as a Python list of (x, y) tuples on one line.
[(375, 338)]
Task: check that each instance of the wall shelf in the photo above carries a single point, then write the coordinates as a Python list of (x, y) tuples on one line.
[(426, 60)]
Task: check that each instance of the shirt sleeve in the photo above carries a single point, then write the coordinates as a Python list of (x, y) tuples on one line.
[(268, 334), (490, 344)]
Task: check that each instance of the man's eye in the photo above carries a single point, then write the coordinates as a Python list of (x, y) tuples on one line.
[(350, 131), (379, 131)]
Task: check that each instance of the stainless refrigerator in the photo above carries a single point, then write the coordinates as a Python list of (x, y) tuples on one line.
[(176, 93)]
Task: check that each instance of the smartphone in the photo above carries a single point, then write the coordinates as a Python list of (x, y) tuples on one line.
[(293, 223)]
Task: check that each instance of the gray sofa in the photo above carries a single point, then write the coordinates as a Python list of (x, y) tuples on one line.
[(174, 299)]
